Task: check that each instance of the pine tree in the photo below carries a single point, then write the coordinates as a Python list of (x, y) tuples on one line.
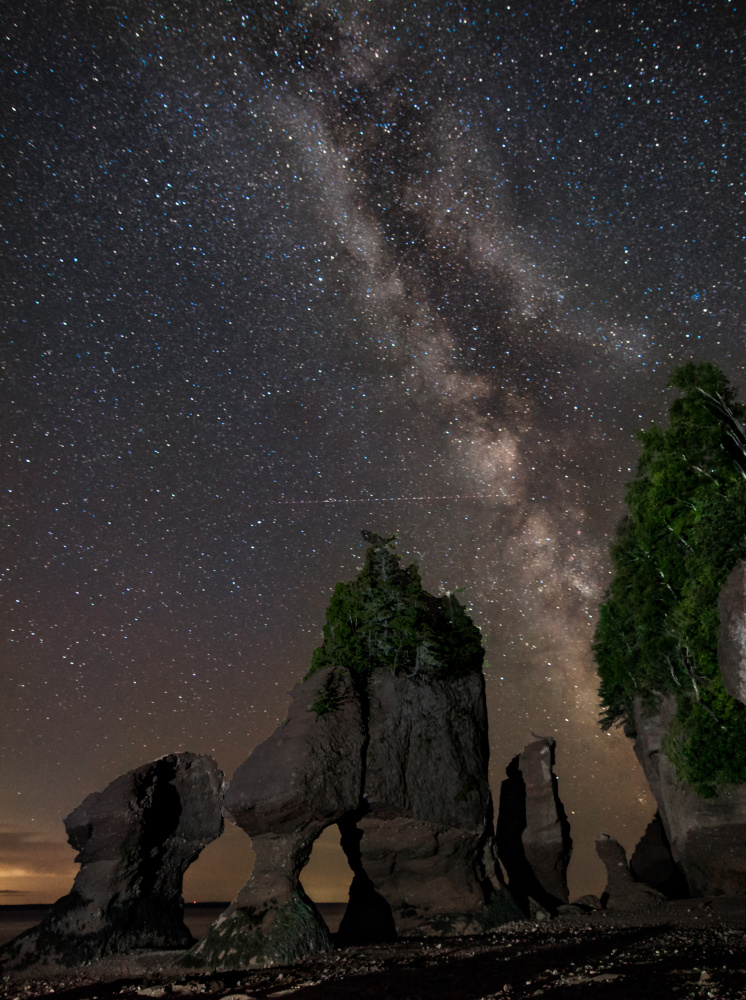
[(384, 618)]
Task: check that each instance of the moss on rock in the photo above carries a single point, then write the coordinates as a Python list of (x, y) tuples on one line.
[(260, 936)]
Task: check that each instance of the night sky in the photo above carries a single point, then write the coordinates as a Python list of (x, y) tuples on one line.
[(275, 272)]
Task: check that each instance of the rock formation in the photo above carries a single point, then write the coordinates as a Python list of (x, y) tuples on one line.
[(135, 840), (392, 746), (533, 833), (427, 819), (732, 637), (653, 863), (415, 829), (306, 776), (707, 836), (367, 918), (622, 892)]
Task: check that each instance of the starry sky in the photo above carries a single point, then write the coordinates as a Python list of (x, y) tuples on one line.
[(275, 272)]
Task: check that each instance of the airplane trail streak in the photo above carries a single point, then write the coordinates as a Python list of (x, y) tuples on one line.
[(456, 496)]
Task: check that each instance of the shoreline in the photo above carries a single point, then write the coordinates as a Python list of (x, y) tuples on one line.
[(696, 945)]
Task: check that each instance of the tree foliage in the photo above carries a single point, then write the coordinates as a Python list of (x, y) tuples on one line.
[(684, 532), (385, 618)]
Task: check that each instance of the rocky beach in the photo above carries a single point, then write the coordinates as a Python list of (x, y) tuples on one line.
[(686, 949)]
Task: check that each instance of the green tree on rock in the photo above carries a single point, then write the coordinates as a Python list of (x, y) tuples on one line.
[(385, 618), (684, 532)]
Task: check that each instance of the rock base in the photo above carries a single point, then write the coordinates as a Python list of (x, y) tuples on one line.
[(255, 936)]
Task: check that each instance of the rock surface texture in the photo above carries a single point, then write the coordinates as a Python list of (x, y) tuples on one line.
[(622, 892), (707, 836), (135, 840), (653, 863), (306, 776), (732, 637), (533, 833), (427, 818)]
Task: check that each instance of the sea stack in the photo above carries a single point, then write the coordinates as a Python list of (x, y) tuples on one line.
[(135, 840)]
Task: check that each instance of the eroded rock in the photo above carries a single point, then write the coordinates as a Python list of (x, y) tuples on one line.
[(707, 836), (309, 772), (367, 918), (622, 892), (533, 832), (393, 748), (271, 921), (428, 806), (653, 863), (305, 777), (135, 840)]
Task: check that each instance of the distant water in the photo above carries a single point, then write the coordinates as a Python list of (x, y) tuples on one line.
[(197, 916), (16, 919)]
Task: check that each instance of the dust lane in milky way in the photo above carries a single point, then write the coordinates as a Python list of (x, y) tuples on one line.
[(276, 273)]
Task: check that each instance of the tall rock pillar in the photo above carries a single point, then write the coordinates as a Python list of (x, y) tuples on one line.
[(533, 832)]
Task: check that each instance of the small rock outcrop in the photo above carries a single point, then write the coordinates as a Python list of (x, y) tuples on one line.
[(653, 863), (707, 836), (305, 777), (135, 840), (732, 636), (533, 832), (622, 892)]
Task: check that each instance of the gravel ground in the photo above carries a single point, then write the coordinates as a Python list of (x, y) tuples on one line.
[(692, 948)]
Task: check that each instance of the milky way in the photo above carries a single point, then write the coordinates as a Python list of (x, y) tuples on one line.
[(274, 273)]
